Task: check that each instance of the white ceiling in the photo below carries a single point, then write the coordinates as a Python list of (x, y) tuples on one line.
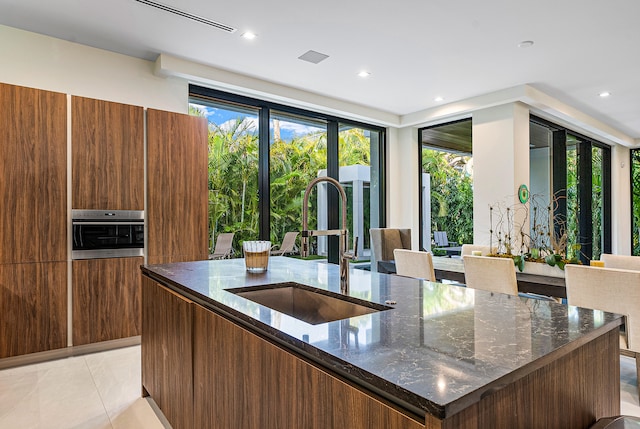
[(416, 50)]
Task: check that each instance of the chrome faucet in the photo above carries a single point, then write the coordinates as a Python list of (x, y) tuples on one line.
[(342, 233)]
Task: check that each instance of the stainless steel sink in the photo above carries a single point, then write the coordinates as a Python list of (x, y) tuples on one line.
[(306, 303)]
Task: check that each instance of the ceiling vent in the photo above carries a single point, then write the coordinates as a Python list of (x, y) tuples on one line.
[(313, 57), (187, 15)]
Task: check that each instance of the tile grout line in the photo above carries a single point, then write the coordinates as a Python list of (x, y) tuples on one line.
[(95, 385)]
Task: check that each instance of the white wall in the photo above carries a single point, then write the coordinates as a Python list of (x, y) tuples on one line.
[(402, 186), (500, 163), (36, 61), (620, 200)]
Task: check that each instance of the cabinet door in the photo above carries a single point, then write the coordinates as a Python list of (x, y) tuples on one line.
[(33, 185), (106, 299), (33, 308), (167, 374), (107, 141), (242, 381), (177, 187)]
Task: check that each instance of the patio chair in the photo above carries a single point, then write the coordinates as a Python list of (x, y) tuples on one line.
[(441, 239), (288, 245), (442, 242), (224, 246)]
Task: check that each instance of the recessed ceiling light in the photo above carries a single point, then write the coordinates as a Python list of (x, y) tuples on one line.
[(604, 94), (249, 35), (525, 44), (364, 73), (438, 99)]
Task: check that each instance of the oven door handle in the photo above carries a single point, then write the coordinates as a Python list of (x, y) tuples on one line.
[(118, 222)]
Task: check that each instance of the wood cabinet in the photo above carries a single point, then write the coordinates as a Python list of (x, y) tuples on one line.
[(106, 299), (243, 381), (177, 194), (167, 371), (33, 165), (107, 147), (33, 307), (33, 221), (572, 391)]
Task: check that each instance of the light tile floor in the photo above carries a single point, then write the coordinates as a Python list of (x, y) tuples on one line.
[(102, 391), (94, 391)]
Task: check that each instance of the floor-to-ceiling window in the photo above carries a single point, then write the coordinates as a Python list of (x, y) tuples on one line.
[(298, 151), (577, 191), (635, 202), (263, 155), (359, 173), (446, 182), (233, 169)]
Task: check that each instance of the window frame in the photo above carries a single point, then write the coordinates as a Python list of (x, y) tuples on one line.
[(198, 93)]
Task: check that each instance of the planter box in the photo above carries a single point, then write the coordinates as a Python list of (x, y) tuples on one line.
[(541, 269)]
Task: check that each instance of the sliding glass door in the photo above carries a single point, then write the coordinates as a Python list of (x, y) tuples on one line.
[(579, 187)]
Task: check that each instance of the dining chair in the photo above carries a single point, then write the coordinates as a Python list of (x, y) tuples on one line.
[(384, 241), (624, 262), (613, 290), (468, 249), (413, 263), (491, 274), (224, 246), (288, 244)]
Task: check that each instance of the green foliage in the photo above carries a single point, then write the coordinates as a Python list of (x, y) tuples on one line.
[(451, 194), (233, 177), (635, 200)]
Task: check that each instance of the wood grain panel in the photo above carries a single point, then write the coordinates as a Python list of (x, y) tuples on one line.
[(33, 165), (33, 308), (167, 370), (107, 155), (177, 187), (106, 299), (242, 381), (571, 392)]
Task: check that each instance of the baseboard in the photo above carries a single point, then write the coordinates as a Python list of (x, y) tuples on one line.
[(66, 352)]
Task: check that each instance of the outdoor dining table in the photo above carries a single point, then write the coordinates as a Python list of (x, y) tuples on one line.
[(453, 269)]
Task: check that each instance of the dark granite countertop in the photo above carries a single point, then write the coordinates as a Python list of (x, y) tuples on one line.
[(437, 351)]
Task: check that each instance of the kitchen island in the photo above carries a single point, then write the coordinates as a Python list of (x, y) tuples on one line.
[(439, 356)]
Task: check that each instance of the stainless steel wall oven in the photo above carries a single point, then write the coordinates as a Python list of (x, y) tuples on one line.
[(107, 233)]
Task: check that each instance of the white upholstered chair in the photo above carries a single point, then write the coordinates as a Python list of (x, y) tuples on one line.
[(613, 290), (491, 274), (468, 249), (413, 263), (623, 262)]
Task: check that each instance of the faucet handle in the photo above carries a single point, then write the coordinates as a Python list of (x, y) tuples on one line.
[(354, 253)]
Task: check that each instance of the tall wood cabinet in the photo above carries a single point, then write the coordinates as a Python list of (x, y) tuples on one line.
[(33, 185), (107, 155), (177, 187), (33, 221)]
